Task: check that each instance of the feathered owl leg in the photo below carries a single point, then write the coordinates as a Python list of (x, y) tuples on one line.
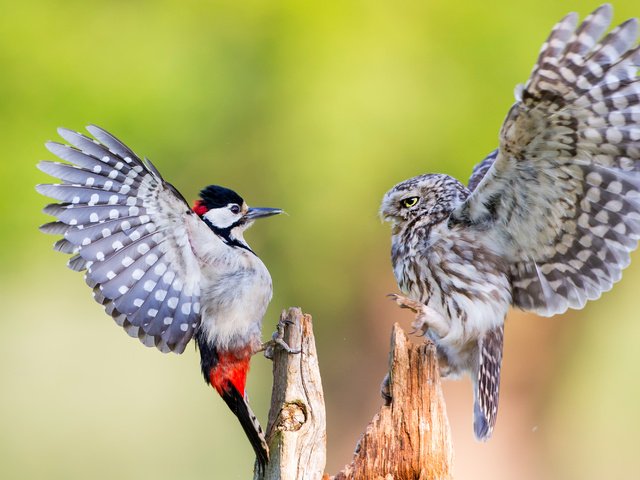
[(426, 317)]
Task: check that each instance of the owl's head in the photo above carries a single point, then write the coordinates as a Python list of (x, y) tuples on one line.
[(429, 199)]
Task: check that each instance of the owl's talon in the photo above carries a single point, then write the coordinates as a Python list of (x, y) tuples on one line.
[(406, 302)]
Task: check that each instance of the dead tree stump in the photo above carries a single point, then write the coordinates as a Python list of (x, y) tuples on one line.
[(408, 439)]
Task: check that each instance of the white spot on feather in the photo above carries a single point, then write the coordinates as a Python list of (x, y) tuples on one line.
[(151, 259), (594, 179), (614, 135), (615, 187)]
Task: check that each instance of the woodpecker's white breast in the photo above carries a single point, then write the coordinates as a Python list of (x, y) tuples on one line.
[(235, 290)]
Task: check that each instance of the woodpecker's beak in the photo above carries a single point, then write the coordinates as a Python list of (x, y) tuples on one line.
[(254, 213)]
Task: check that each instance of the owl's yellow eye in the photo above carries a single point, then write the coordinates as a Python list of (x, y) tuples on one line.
[(409, 202)]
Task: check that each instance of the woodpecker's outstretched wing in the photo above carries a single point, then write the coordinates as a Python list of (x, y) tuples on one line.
[(562, 196), (128, 229)]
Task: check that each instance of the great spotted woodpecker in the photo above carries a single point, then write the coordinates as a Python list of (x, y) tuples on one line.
[(165, 272)]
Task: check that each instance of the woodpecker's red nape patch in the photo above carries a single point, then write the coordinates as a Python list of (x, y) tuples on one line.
[(230, 370), (199, 207)]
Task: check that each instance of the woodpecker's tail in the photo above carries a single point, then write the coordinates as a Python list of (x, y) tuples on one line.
[(252, 429), (487, 386), (227, 373)]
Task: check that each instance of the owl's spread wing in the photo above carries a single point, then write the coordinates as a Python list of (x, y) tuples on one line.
[(127, 228), (562, 196), (481, 169)]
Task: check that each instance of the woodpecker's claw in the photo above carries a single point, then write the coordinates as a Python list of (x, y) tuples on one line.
[(277, 339), (285, 346)]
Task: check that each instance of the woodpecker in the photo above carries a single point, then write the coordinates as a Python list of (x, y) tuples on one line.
[(164, 271), (548, 219)]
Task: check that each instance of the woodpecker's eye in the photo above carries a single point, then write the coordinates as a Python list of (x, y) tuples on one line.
[(235, 209), (409, 202)]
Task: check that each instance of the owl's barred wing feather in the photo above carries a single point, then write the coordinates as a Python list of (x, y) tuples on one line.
[(128, 229), (562, 196), (481, 169)]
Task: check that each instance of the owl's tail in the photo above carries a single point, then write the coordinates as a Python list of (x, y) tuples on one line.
[(487, 385)]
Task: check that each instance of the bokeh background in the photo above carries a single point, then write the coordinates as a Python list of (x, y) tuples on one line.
[(318, 108)]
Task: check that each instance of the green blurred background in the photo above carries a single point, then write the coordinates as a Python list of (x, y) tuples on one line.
[(317, 108)]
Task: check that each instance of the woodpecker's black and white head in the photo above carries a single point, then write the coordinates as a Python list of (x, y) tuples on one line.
[(227, 214)]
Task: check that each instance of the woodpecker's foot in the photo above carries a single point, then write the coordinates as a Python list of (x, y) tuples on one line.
[(277, 340), (426, 317)]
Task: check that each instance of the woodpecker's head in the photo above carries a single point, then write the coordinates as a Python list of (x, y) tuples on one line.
[(226, 213), (426, 199)]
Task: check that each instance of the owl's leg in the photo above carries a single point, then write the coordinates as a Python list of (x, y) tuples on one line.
[(426, 317), (487, 386)]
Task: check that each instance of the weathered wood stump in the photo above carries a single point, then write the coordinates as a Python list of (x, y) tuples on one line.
[(408, 439)]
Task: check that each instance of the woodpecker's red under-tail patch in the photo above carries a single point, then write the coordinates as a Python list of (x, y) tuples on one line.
[(227, 373)]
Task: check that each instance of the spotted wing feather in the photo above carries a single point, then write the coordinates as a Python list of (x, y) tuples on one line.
[(561, 199), (127, 228)]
